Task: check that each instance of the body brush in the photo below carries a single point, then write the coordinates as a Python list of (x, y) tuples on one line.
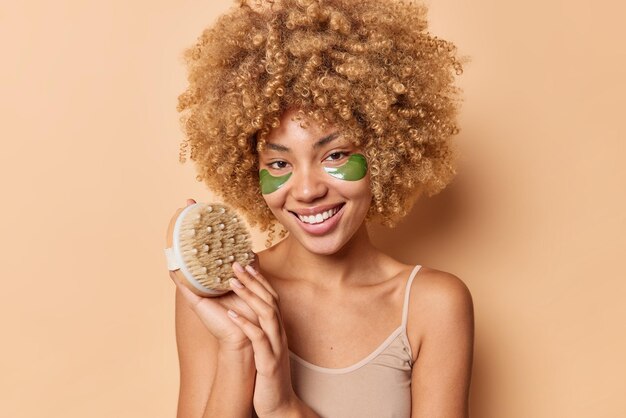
[(203, 241)]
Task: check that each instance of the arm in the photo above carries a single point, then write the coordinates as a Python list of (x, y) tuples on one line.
[(215, 381), (442, 372)]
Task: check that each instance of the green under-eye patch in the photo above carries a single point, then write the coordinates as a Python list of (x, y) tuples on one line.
[(354, 169), (270, 183)]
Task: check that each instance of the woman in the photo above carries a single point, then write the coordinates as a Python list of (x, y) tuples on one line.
[(317, 117)]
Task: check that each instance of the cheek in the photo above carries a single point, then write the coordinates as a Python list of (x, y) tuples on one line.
[(355, 190), (275, 201)]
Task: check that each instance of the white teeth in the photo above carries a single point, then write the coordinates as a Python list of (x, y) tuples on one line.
[(318, 218)]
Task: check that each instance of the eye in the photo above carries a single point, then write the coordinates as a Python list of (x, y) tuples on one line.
[(336, 156), (278, 165)]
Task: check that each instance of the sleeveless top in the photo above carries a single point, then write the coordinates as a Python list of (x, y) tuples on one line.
[(377, 386)]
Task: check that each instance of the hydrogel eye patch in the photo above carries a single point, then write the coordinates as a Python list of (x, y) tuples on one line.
[(354, 169), (270, 183)]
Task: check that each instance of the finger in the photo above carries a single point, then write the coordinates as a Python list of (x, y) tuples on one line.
[(255, 261), (253, 279), (268, 314), (210, 306), (255, 285), (254, 272), (263, 352)]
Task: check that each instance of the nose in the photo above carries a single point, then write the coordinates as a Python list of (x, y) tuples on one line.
[(308, 185)]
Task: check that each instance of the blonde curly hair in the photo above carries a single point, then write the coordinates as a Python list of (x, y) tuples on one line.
[(367, 67)]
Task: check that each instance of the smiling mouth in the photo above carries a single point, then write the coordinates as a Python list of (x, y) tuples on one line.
[(319, 217)]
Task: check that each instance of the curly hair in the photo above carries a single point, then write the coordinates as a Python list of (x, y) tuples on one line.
[(369, 68)]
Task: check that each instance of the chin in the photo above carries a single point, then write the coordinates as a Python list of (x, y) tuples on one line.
[(322, 245), (321, 248)]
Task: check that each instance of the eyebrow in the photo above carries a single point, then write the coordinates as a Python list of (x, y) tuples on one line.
[(320, 143)]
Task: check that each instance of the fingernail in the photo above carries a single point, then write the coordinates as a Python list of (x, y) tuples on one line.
[(232, 314), (250, 269), (236, 283), (238, 267)]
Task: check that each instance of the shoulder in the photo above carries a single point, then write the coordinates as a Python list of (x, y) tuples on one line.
[(441, 321), (440, 289), (439, 302)]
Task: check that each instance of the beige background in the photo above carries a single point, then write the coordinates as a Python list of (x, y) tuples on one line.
[(534, 223)]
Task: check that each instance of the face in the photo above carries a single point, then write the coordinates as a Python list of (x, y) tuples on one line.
[(316, 184)]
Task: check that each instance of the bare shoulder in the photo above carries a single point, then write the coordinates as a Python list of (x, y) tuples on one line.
[(440, 328), (439, 302), (440, 288)]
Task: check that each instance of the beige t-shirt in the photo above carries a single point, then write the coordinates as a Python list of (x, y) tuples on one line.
[(379, 386)]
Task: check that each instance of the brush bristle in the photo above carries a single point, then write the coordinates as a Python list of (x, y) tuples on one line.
[(210, 244)]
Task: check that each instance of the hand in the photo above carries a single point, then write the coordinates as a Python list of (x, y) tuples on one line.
[(213, 311), (273, 392)]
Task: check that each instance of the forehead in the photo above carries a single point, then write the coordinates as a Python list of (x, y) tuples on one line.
[(291, 129)]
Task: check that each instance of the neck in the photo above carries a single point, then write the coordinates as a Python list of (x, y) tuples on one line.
[(347, 266)]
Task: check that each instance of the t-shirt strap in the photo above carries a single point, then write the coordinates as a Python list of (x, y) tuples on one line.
[(407, 293)]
